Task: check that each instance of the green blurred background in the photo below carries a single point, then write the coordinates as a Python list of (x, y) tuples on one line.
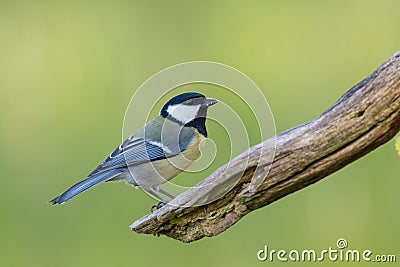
[(69, 68)]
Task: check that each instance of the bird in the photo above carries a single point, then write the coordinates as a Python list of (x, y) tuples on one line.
[(157, 152)]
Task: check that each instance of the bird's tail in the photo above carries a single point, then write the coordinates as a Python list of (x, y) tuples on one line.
[(85, 185)]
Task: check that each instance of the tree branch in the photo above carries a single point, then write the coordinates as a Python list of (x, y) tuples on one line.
[(364, 118)]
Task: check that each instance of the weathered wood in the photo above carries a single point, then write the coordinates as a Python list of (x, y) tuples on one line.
[(364, 118)]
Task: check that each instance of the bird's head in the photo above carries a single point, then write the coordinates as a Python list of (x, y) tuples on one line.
[(187, 107)]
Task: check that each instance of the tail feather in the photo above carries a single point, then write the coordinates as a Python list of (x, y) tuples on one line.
[(84, 185)]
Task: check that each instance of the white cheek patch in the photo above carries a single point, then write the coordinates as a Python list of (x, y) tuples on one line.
[(183, 113)]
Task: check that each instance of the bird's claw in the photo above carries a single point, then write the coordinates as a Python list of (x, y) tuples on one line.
[(158, 206)]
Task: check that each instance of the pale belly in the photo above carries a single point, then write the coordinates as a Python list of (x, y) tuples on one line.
[(157, 172)]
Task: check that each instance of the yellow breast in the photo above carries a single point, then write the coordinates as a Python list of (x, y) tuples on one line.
[(171, 167)]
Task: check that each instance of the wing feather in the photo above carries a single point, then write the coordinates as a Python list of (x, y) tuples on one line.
[(137, 149)]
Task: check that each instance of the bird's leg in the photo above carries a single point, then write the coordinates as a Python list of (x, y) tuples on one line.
[(154, 194), (165, 193), (163, 202)]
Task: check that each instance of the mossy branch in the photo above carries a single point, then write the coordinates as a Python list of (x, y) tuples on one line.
[(365, 117)]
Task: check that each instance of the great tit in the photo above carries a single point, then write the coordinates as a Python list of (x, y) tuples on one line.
[(156, 153)]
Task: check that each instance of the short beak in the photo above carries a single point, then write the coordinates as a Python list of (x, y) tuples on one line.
[(210, 102)]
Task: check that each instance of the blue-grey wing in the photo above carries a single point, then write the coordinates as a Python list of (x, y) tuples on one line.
[(135, 151)]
